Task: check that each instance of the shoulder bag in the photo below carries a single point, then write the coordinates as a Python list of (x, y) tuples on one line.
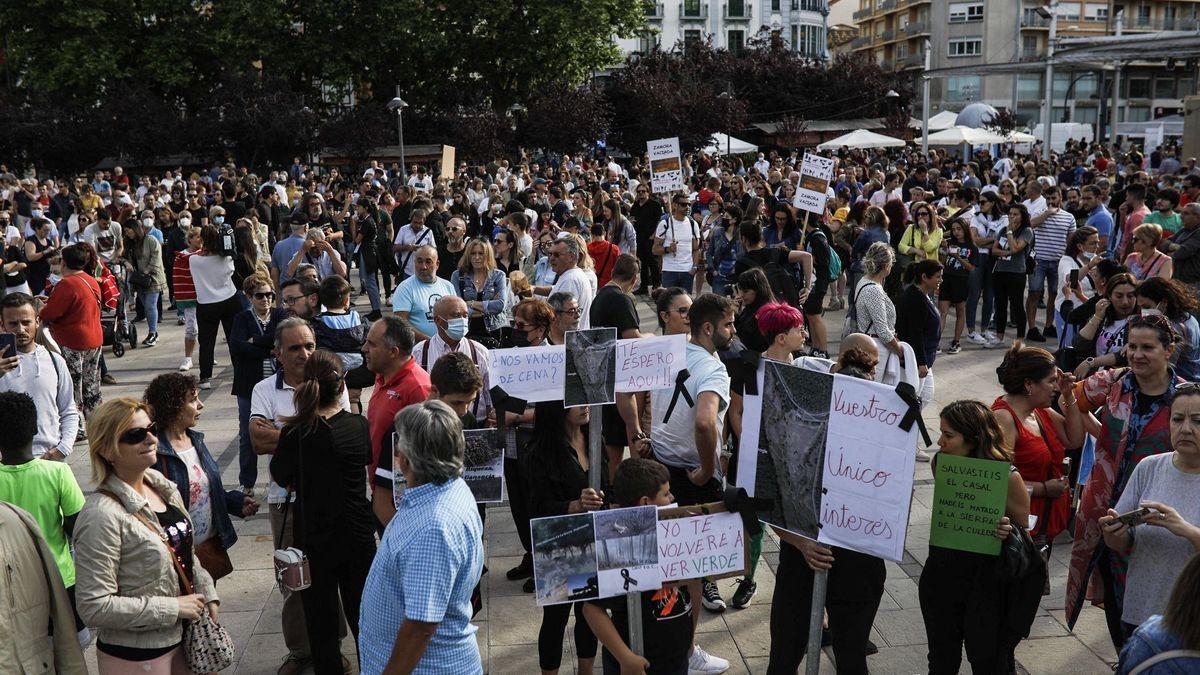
[(207, 646), (291, 565)]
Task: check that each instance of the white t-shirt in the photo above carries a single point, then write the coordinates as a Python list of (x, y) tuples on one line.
[(1065, 293), (986, 227), (1035, 206), (200, 496), (408, 235), (674, 441), (213, 277), (575, 282), (682, 232), (421, 184), (104, 240), (1003, 167)]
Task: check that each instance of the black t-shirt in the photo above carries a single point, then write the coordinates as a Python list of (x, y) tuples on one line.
[(758, 258), (448, 262), (613, 308), (666, 628)]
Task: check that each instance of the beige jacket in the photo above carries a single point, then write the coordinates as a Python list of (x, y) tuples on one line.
[(33, 599), (125, 582)]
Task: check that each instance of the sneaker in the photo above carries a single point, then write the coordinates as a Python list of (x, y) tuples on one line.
[(206, 384), (1034, 335), (81, 435), (107, 378), (922, 456), (954, 348), (293, 664), (703, 663), (989, 336), (710, 596), (996, 344), (976, 338), (871, 648), (527, 587), (186, 365), (939, 349), (151, 340), (180, 321), (522, 571), (745, 592), (1050, 332)]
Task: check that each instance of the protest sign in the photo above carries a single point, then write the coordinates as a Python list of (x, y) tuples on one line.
[(483, 465), (835, 461), (447, 165), (969, 497), (650, 362), (534, 374), (696, 542), (600, 554), (815, 174), (591, 367), (666, 166)]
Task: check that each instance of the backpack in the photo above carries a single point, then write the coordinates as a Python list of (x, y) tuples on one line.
[(835, 263), (783, 285)]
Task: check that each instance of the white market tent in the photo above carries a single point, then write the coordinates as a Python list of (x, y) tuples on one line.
[(863, 139), (959, 135), (942, 120), (721, 144)]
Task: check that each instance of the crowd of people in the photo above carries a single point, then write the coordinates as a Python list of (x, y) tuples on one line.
[(1090, 258)]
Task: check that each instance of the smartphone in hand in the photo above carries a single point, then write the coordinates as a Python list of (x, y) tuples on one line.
[(8, 345), (1135, 517)]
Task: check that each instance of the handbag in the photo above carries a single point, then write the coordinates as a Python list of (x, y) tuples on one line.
[(292, 571), (214, 559), (207, 646), (140, 280)]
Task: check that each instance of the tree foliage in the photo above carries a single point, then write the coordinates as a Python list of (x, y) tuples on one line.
[(1003, 122)]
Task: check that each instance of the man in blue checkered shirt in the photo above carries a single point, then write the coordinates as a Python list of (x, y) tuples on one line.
[(416, 609)]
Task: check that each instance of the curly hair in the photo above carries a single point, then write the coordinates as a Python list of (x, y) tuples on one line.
[(167, 394)]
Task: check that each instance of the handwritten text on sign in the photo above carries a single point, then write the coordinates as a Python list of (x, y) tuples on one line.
[(969, 497), (815, 173), (701, 546), (534, 374), (650, 362), (868, 469)]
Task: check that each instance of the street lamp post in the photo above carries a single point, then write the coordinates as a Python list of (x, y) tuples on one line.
[(925, 102), (1048, 122), (398, 105)]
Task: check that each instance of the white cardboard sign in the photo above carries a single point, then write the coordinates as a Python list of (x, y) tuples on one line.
[(815, 174), (666, 165), (534, 374), (650, 362)]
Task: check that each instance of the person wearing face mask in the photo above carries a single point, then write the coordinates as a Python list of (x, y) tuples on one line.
[(148, 277), (450, 316), (1075, 285)]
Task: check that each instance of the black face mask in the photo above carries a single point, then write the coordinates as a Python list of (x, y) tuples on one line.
[(520, 338)]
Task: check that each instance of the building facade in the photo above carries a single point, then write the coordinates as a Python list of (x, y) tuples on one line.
[(731, 24), (978, 32)]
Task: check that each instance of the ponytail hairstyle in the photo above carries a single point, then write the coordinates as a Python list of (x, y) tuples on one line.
[(977, 424), (322, 386), (1023, 364), (921, 269)]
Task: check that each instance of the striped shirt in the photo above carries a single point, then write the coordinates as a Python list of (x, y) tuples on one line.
[(1051, 238)]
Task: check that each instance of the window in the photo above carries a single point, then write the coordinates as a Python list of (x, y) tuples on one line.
[(1164, 86), (1086, 86), (774, 5), (795, 37), (809, 41), (1138, 114), (1029, 115), (1139, 87), (1086, 115), (1029, 46), (737, 8), (1168, 18), (901, 51), (965, 47), (1095, 12), (961, 12), (691, 39), (1143, 19), (736, 39), (1069, 11), (1029, 87), (960, 89), (691, 7)]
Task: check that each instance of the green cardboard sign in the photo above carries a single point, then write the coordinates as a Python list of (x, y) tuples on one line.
[(969, 496)]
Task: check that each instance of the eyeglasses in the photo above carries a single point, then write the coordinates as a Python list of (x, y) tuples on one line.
[(682, 205), (264, 296), (137, 435), (291, 301), (681, 311), (573, 312)]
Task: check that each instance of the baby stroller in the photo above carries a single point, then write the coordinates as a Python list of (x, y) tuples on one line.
[(114, 321)]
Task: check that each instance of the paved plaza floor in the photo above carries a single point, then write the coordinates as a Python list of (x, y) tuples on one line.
[(508, 624)]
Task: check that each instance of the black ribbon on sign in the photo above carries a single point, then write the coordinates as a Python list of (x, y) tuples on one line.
[(750, 381), (737, 501), (502, 401), (908, 394), (628, 579), (680, 390)]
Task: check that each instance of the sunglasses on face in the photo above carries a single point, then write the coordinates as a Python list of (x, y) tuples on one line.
[(269, 295), (573, 312), (136, 436)]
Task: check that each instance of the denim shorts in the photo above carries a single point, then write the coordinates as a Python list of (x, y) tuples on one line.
[(1045, 273)]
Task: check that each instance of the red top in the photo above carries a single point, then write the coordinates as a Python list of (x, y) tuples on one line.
[(1037, 461), (409, 385), (181, 276), (73, 312), (604, 254)]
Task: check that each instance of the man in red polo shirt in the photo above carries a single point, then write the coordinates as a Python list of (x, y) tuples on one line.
[(399, 381)]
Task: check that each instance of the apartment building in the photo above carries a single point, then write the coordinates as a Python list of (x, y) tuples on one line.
[(978, 32), (730, 24)]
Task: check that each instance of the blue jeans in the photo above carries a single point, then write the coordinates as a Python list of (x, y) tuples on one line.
[(150, 307), (247, 460), (1045, 274), (980, 284), (720, 285), (370, 284), (680, 279)]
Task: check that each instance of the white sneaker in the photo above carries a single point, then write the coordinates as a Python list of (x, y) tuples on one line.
[(703, 663), (922, 456), (185, 366), (205, 384), (995, 343), (989, 336), (976, 338)]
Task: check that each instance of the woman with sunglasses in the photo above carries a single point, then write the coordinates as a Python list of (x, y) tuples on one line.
[(508, 259), (1146, 261), (1133, 407), (250, 345), (133, 541), (922, 238), (321, 456)]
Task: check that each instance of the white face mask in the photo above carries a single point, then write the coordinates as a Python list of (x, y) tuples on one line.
[(147, 222), (1086, 255)]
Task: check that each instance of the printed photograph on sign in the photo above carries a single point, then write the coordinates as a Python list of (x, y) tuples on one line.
[(483, 465), (627, 550), (591, 367), (564, 559), (791, 445), (814, 183)]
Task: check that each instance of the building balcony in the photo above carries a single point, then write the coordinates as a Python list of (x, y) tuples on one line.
[(736, 11), (886, 64), (916, 28), (862, 14), (655, 12), (693, 12), (1149, 24), (1033, 54), (1031, 20), (900, 4), (885, 5), (911, 61), (860, 42), (887, 35)]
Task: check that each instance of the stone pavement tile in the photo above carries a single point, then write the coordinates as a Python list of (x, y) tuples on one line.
[(262, 655), (505, 545), (271, 620), (498, 585), (481, 638), (900, 628), (240, 626), (709, 622), (750, 627), (245, 590), (1047, 626), (904, 660), (513, 620), (522, 659), (903, 591), (499, 521), (252, 552), (1059, 655), (1092, 631)]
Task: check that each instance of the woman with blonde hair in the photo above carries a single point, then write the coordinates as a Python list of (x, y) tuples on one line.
[(923, 237), (1146, 260), (484, 288), (137, 576)]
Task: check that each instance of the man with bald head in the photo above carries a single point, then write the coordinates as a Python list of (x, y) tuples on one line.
[(450, 318), (415, 298)]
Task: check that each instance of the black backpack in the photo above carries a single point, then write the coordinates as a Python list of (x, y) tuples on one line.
[(783, 284)]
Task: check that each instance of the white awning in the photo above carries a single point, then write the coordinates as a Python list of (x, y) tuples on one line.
[(862, 139)]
